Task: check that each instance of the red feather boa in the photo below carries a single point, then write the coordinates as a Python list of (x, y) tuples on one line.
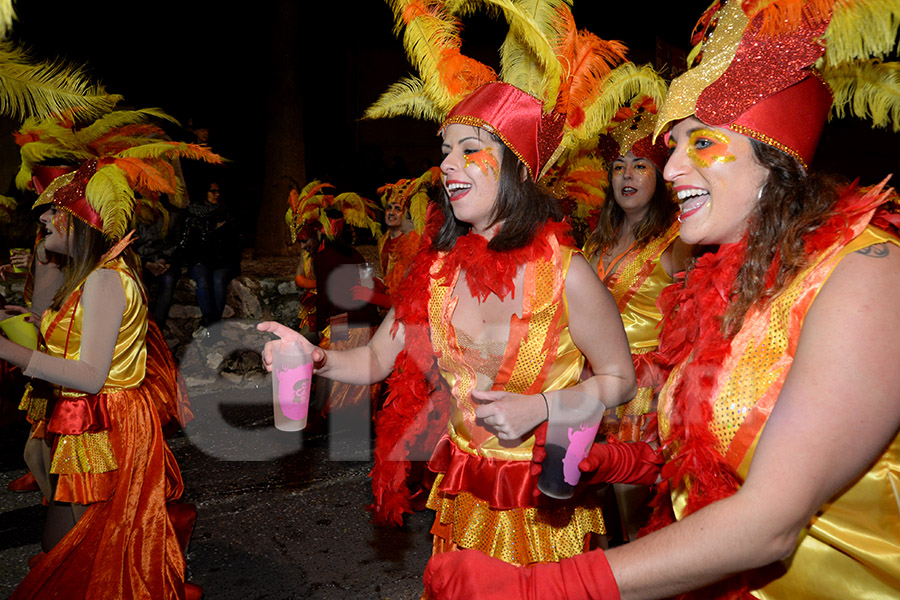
[(417, 405), (691, 335)]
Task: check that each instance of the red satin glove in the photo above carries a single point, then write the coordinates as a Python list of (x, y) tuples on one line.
[(473, 575), (637, 463), (538, 453), (358, 292)]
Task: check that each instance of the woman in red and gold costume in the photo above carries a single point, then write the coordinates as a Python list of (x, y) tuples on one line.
[(497, 312), (636, 251), (779, 418), (113, 527)]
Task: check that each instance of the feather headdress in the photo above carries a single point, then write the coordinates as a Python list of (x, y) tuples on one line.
[(29, 88), (412, 195), (550, 76), (776, 70), (308, 211), (122, 159)]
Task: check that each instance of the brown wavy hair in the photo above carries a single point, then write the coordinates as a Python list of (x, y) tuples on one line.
[(660, 216), (792, 205), (521, 205)]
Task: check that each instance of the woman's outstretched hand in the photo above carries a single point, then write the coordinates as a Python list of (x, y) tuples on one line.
[(286, 334)]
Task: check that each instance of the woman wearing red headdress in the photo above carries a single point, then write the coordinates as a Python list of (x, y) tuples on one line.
[(779, 420), (108, 475), (636, 251), (497, 312)]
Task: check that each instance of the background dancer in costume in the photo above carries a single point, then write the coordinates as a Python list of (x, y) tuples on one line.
[(779, 418), (399, 244), (320, 220), (636, 251), (112, 527), (497, 312)]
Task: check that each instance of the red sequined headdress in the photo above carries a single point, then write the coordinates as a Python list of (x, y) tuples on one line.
[(631, 130), (773, 69), (123, 159)]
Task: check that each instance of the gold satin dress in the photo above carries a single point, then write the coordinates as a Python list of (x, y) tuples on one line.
[(851, 547)]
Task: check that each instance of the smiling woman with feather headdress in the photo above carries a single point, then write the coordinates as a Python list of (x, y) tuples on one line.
[(97, 446), (499, 311)]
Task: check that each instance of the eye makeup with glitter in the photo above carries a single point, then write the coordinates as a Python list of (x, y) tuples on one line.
[(485, 160), (60, 221), (707, 146)]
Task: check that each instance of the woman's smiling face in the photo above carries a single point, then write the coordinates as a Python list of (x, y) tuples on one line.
[(56, 230), (716, 179), (471, 169)]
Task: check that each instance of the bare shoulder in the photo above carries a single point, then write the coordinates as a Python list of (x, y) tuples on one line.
[(582, 282), (869, 271)]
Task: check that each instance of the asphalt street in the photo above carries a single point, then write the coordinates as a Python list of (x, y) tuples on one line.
[(280, 515)]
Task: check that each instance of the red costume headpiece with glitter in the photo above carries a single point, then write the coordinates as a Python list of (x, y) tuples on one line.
[(71, 195), (631, 130), (516, 118), (772, 70)]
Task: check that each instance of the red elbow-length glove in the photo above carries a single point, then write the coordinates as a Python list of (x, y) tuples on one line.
[(622, 462), (473, 575)]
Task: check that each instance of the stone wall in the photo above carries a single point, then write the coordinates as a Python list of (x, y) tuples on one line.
[(226, 353)]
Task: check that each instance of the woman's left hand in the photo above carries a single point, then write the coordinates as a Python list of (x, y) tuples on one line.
[(510, 416)]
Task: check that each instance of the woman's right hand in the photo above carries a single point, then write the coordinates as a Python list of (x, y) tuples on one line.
[(20, 260), (286, 334), (12, 310)]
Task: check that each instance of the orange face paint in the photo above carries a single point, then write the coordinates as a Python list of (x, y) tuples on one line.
[(484, 160), (715, 152), (61, 221)]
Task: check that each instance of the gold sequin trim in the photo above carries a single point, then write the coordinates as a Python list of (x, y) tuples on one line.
[(744, 130), (519, 535), (83, 453), (35, 406), (479, 122)]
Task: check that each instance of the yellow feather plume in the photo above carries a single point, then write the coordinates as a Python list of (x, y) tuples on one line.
[(406, 98), (529, 47), (7, 208), (43, 89), (7, 14), (862, 30), (109, 123), (868, 90), (110, 195), (357, 211), (623, 84)]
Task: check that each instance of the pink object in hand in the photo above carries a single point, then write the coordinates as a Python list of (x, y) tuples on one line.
[(579, 445), (292, 370)]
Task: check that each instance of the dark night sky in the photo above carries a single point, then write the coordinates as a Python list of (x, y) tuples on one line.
[(196, 58)]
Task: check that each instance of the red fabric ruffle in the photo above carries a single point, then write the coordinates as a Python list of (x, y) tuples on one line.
[(504, 484), (74, 416)]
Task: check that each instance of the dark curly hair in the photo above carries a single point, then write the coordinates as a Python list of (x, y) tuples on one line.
[(792, 205)]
